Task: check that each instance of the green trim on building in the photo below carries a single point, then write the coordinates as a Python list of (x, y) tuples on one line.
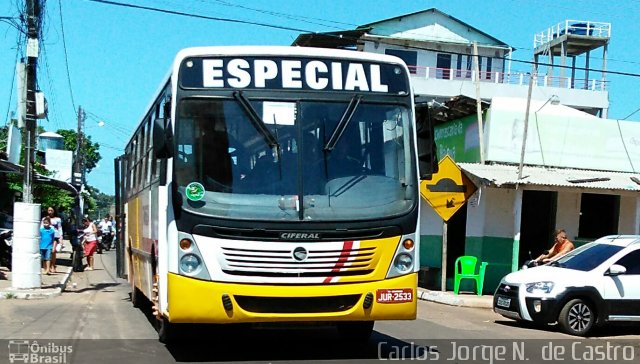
[(493, 250)]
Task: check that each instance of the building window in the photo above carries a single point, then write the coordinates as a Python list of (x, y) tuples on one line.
[(443, 66), (469, 60), (409, 57), (459, 66), (489, 65)]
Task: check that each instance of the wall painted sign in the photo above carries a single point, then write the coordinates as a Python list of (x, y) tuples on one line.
[(459, 139)]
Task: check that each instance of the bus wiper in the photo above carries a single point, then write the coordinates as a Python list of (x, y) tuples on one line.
[(257, 122), (342, 124)]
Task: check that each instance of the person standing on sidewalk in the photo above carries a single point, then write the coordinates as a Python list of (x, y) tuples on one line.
[(56, 225), (47, 234), (89, 241)]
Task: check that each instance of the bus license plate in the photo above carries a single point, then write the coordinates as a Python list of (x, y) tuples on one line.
[(394, 295), (503, 302)]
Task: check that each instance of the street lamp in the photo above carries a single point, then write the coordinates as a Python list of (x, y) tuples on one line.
[(554, 100)]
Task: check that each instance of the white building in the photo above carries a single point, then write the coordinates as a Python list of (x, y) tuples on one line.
[(56, 159), (580, 169)]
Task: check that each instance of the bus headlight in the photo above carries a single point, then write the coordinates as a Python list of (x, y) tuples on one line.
[(190, 264), (403, 262)]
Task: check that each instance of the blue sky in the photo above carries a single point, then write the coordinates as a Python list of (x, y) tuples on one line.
[(117, 56)]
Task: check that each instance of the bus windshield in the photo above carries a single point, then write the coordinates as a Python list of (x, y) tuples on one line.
[(228, 166)]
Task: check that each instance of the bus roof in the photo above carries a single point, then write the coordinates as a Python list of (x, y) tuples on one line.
[(284, 51)]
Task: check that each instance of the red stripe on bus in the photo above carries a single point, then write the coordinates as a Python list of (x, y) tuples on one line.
[(344, 256)]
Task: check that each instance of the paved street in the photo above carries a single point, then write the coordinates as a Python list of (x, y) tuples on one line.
[(96, 305)]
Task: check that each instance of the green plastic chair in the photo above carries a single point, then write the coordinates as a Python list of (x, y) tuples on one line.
[(466, 269)]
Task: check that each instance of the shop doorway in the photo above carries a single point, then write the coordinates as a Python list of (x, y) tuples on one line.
[(456, 238), (598, 215), (537, 223)]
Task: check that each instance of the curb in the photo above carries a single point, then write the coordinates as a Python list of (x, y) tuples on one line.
[(37, 293), (452, 300)]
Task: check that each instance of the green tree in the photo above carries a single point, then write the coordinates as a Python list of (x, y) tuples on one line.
[(90, 150), (102, 203)]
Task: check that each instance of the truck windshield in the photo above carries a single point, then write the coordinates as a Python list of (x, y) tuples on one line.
[(225, 167)]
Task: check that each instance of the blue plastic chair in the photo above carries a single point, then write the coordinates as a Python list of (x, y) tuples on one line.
[(466, 269)]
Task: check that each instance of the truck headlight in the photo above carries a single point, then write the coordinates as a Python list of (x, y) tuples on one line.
[(539, 287)]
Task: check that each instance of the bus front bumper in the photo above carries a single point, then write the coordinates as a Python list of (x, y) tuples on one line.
[(196, 301)]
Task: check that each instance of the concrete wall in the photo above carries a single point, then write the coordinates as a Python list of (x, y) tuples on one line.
[(568, 212), (629, 221)]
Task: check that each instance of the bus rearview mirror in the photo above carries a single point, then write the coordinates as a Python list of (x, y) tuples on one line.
[(162, 138)]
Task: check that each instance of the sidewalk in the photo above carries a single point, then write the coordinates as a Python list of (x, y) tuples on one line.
[(52, 285)]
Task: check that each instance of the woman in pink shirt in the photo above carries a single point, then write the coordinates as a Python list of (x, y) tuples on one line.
[(89, 241)]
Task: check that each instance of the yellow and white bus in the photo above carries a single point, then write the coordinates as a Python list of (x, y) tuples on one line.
[(275, 184)]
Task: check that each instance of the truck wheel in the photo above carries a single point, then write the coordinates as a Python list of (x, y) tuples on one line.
[(577, 317)]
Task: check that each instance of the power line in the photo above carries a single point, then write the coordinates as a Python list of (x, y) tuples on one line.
[(228, 20), (379, 40), (66, 56), (13, 78), (630, 115), (306, 19)]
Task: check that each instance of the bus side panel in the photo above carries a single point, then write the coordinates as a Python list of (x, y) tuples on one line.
[(140, 247), (165, 247)]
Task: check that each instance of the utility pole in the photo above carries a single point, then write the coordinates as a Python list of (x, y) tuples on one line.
[(26, 215), (33, 32), (78, 168), (476, 64)]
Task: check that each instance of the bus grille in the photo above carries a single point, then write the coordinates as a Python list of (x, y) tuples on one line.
[(280, 262), (297, 304)]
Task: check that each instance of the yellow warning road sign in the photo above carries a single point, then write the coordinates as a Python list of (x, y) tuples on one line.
[(448, 190)]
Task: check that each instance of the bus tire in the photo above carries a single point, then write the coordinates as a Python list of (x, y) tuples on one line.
[(357, 332), (136, 296), (167, 332)]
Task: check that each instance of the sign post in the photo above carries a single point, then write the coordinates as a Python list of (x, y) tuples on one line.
[(447, 191)]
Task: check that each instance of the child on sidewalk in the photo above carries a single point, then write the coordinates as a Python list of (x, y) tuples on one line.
[(47, 233)]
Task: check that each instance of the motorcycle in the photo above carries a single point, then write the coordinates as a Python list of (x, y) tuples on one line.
[(104, 242), (532, 262), (6, 247)]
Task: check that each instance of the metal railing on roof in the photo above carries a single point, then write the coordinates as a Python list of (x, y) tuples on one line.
[(511, 78), (573, 27)]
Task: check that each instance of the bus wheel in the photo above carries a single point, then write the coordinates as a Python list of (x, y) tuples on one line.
[(357, 332), (136, 296), (167, 332)]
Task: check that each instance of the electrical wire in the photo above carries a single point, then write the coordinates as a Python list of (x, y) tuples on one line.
[(66, 58), (228, 20), (305, 19), (343, 37), (13, 78)]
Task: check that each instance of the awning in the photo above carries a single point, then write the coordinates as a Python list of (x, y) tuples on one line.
[(8, 167), (506, 175)]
